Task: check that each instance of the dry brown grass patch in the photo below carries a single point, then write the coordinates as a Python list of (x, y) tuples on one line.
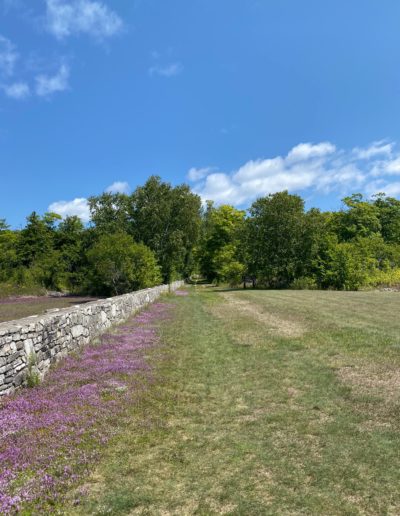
[(272, 323), (373, 379)]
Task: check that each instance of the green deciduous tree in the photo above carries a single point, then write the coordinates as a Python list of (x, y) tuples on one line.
[(389, 217), (359, 219), (110, 212), (37, 238), (119, 265), (163, 229), (276, 233), (8, 251), (219, 253), (69, 243), (167, 220), (164, 218)]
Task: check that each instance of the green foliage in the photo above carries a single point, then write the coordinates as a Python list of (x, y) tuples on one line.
[(109, 212), (8, 252), (71, 261), (161, 232), (219, 251), (35, 240), (389, 217), (3, 225), (164, 218), (347, 270), (360, 219), (119, 265), (167, 220), (33, 376), (13, 289), (276, 231), (226, 267), (384, 278), (304, 283)]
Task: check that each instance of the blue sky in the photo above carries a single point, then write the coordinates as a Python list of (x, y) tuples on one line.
[(239, 98)]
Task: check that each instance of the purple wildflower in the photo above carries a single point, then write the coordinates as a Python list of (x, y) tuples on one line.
[(51, 435)]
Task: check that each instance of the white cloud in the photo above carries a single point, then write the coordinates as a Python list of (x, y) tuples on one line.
[(379, 148), (389, 188), (17, 90), (118, 187), (169, 70), (392, 189), (195, 174), (392, 167), (78, 207), (305, 151), (221, 188), (307, 167), (66, 18), (47, 85), (8, 56)]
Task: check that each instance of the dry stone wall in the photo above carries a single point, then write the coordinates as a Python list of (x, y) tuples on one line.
[(29, 346)]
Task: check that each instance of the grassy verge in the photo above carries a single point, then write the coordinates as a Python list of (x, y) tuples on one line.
[(51, 436), (266, 403)]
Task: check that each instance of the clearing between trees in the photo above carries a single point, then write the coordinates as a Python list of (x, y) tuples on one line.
[(243, 402)]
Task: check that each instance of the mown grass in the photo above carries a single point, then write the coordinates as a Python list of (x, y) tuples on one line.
[(266, 402)]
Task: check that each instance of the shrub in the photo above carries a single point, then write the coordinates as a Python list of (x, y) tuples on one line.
[(120, 265), (384, 278), (304, 283)]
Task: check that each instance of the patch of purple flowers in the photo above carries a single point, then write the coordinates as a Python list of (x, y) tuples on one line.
[(51, 435)]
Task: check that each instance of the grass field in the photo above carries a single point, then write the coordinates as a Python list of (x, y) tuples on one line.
[(264, 402), (19, 307)]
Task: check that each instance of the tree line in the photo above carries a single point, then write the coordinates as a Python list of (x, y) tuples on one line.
[(160, 233)]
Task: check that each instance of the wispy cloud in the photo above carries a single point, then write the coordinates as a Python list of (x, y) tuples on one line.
[(380, 148), (17, 90), (78, 207), (94, 18), (14, 89), (308, 167), (8, 56), (47, 85), (169, 70), (306, 151), (196, 174), (118, 187)]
